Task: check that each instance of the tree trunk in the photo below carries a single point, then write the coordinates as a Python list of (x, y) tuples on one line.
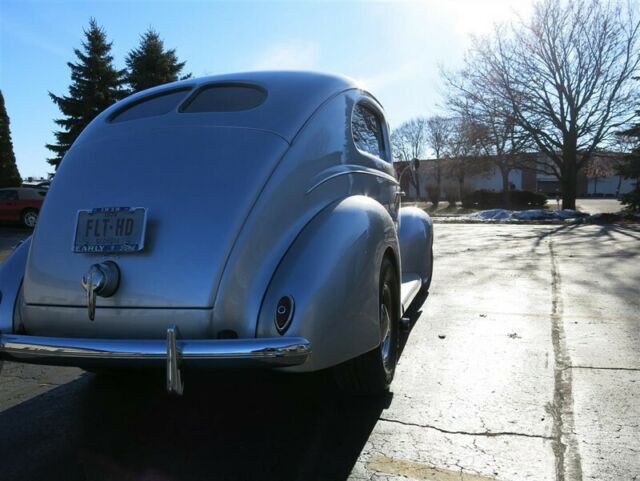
[(569, 170), (569, 182), (436, 200), (506, 194), (618, 188), (595, 185)]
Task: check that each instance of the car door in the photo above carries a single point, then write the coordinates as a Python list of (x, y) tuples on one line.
[(370, 136), (9, 204)]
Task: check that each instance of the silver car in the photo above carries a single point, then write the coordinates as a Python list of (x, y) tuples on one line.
[(239, 220)]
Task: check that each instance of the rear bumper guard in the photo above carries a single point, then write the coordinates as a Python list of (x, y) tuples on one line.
[(174, 352)]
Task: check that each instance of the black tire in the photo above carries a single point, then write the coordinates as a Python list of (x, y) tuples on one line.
[(29, 218), (372, 372)]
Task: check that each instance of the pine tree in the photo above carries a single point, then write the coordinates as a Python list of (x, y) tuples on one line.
[(150, 64), (95, 85), (631, 170), (9, 175)]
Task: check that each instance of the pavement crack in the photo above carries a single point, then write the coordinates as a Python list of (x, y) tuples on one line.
[(565, 445), (488, 434)]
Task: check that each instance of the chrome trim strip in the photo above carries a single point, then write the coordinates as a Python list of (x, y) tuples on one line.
[(282, 351), (373, 172)]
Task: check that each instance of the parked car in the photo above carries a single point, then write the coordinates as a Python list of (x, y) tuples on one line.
[(21, 204), (239, 220)]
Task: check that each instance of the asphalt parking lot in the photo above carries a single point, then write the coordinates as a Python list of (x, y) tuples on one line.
[(523, 364)]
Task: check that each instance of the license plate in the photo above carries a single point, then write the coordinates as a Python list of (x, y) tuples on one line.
[(110, 229)]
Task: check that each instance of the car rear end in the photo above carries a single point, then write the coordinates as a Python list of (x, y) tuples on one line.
[(126, 260)]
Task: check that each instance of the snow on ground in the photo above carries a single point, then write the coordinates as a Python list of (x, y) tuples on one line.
[(520, 215)]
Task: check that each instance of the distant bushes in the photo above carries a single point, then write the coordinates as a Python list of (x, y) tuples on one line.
[(488, 199)]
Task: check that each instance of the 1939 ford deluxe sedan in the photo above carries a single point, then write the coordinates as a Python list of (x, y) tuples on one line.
[(241, 220)]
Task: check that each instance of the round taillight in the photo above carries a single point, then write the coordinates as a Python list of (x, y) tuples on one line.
[(284, 313)]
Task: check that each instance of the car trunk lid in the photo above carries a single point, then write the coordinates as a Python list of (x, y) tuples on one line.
[(198, 185)]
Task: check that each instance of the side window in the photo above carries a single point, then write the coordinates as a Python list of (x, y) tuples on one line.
[(366, 128), (8, 195)]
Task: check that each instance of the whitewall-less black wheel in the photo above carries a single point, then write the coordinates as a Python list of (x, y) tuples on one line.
[(372, 372), (30, 218)]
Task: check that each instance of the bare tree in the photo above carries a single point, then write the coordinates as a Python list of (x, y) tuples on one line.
[(499, 136), (409, 140), (463, 153), (438, 130), (599, 166), (409, 143), (502, 142), (564, 76)]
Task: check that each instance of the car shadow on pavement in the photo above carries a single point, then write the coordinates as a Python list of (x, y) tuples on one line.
[(412, 314), (229, 425)]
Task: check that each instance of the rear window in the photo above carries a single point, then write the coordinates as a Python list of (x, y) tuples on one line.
[(151, 106), (225, 98)]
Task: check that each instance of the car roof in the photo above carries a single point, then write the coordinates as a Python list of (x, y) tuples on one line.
[(292, 97)]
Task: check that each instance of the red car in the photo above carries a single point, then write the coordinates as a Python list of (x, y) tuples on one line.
[(21, 204)]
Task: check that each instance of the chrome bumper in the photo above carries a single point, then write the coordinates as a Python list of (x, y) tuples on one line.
[(175, 352)]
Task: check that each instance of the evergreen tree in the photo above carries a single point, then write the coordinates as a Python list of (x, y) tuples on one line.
[(150, 64), (631, 170), (9, 175), (95, 85)]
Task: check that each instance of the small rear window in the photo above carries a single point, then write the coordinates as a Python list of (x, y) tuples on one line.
[(151, 106), (225, 98)]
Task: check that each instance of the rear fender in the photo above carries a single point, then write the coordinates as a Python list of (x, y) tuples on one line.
[(416, 238), (11, 274), (332, 273)]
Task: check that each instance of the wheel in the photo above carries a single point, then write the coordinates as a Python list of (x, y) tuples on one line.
[(372, 372), (30, 218)]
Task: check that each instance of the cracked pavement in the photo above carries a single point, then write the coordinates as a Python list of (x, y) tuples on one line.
[(560, 399), (523, 363)]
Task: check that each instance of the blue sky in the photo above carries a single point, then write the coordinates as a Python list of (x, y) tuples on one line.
[(395, 48)]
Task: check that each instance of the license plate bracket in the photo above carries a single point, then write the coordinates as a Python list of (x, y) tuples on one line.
[(107, 230)]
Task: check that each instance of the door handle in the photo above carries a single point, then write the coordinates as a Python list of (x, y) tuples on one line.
[(101, 280)]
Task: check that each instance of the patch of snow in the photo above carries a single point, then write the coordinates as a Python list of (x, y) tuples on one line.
[(534, 214), (492, 214), (531, 214)]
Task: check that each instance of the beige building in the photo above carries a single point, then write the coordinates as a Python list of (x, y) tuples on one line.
[(597, 179)]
